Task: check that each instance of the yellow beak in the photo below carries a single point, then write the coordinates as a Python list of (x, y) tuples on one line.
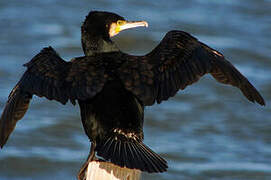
[(115, 28), (132, 24)]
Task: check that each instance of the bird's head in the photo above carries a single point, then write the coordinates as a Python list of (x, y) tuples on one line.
[(100, 26), (108, 24)]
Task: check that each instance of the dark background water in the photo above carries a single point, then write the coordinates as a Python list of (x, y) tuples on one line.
[(207, 131)]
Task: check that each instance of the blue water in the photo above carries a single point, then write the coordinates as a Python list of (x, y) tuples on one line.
[(208, 131)]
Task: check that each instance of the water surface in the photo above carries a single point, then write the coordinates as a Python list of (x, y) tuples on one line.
[(208, 131)]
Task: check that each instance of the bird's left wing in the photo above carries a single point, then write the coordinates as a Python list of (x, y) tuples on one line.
[(49, 76), (178, 61)]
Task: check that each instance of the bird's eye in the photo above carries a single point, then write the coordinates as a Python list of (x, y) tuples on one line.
[(120, 22)]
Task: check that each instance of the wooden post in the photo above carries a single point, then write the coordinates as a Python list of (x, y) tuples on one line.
[(99, 170)]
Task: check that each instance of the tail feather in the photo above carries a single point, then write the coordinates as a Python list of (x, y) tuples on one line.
[(137, 158), (130, 153), (157, 166), (149, 159)]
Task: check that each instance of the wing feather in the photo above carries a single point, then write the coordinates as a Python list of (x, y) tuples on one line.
[(49, 76), (178, 61)]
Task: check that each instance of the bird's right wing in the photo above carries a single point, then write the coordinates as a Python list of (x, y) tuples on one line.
[(178, 61), (49, 76)]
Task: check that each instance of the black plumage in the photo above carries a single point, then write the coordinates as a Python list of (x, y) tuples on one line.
[(112, 87)]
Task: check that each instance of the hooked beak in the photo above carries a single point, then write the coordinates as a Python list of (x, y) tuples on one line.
[(122, 25), (132, 24)]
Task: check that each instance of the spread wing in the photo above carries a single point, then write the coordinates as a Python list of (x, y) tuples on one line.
[(49, 76), (178, 61)]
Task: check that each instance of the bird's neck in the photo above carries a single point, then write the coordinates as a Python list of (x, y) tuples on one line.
[(95, 44)]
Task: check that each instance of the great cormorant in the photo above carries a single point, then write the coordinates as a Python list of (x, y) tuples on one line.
[(113, 87)]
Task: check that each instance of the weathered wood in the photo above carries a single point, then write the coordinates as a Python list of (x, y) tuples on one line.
[(98, 170)]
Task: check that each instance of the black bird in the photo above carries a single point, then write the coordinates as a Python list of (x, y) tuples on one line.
[(113, 87)]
